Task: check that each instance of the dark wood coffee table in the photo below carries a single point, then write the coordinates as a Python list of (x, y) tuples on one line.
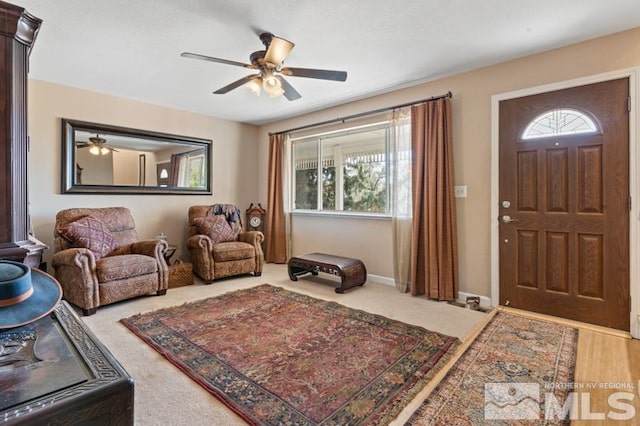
[(62, 375), (351, 271)]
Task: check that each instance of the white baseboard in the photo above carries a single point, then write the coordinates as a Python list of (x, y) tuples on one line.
[(381, 280), (462, 295)]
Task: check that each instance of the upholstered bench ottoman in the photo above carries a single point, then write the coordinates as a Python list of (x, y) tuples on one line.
[(351, 271)]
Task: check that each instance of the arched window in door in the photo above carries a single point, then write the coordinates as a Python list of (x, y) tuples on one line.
[(559, 122), (162, 174)]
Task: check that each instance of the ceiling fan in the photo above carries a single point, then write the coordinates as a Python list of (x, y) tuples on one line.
[(96, 145), (270, 69)]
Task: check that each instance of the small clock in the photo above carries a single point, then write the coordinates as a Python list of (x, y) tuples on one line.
[(255, 218), (255, 222)]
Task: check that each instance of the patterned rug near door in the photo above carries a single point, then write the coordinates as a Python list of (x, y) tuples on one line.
[(505, 376), (277, 357)]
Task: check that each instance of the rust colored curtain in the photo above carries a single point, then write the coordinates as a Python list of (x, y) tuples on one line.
[(434, 262), (275, 224), (174, 169)]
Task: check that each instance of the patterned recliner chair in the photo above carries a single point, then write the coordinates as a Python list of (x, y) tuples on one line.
[(218, 245), (98, 259)]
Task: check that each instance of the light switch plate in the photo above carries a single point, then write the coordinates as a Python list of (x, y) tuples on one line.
[(460, 191)]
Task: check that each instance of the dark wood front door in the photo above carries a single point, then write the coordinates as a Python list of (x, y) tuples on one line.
[(564, 204)]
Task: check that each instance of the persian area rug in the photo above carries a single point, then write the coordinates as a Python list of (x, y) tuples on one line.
[(277, 357), (505, 375)]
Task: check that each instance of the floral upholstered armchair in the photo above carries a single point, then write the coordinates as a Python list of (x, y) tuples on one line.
[(98, 259), (219, 247)]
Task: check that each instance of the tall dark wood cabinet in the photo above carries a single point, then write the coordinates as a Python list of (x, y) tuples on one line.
[(67, 377), (18, 31)]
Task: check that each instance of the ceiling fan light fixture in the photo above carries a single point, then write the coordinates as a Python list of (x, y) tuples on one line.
[(104, 151), (278, 49), (255, 86), (94, 150), (277, 93), (272, 85)]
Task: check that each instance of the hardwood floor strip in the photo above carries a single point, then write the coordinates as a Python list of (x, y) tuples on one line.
[(607, 365), (568, 322)]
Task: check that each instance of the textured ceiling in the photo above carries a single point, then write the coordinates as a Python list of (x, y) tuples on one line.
[(131, 48)]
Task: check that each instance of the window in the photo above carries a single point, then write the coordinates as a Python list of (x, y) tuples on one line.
[(559, 122), (196, 171), (192, 169), (345, 171)]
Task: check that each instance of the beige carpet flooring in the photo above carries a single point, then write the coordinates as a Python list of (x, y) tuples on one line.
[(166, 396)]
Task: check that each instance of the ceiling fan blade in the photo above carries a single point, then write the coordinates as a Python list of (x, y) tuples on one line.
[(289, 92), (235, 84), (313, 73), (217, 60), (278, 49)]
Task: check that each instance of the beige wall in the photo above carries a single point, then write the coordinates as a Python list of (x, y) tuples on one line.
[(472, 93), (125, 167), (96, 169), (234, 164), (344, 236)]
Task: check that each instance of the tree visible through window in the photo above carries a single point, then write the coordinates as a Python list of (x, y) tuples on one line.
[(196, 171), (192, 169), (365, 186), (353, 171)]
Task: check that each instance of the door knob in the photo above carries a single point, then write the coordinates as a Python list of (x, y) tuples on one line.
[(508, 219)]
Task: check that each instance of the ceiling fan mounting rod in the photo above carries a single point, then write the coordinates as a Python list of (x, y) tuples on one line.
[(266, 38)]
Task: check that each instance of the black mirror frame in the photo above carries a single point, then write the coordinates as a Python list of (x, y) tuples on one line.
[(68, 185)]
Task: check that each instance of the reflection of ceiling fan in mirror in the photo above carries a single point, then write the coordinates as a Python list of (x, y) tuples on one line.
[(96, 145), (270, 70)]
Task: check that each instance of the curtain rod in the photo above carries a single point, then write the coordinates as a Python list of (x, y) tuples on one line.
[(364, 114)]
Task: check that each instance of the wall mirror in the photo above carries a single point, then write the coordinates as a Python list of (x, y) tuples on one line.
[(100, 158)]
